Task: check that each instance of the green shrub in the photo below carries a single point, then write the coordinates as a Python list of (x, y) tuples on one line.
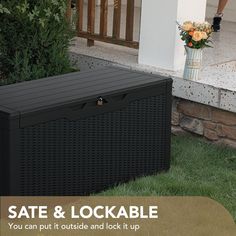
[(34, 39)]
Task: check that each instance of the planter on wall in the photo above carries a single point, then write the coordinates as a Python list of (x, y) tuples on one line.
[(193, 63)]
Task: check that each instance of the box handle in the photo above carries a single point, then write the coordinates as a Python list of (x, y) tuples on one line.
[(118, 98)]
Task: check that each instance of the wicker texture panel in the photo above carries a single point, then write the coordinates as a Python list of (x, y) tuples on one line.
[(64, 157)]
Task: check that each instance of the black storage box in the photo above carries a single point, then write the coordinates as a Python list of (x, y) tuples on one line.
[(83, 132)]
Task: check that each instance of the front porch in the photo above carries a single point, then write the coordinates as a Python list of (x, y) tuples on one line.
[(217, 84), (211, 99)]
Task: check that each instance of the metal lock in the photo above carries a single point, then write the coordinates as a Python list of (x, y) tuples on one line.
[(100, 101)]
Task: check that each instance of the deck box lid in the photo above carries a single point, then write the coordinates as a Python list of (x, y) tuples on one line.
[(53, 92)]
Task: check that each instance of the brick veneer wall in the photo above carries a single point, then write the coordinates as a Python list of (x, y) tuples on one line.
[(214, 124)]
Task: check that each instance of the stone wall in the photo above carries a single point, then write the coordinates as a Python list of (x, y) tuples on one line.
[(214, 124)]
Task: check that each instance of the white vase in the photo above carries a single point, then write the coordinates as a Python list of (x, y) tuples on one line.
[(193, 63)]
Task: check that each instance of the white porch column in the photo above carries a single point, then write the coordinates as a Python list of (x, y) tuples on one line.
[(160, 43)]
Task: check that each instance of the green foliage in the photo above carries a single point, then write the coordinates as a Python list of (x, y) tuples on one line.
[(34, 39)]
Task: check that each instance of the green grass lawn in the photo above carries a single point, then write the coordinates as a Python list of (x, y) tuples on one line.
[(197, 169)]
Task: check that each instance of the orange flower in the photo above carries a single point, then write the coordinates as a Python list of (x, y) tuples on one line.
[(197, 36), (190, 44), (191, 33)]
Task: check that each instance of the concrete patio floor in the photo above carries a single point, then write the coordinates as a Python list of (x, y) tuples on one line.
[(219, 67), (217, 83)]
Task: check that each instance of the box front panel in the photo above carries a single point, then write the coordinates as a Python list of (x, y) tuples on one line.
[(2, 175), (64, 157), (5, 162)]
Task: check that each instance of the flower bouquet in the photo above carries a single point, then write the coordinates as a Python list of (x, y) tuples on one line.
[(196, 37)]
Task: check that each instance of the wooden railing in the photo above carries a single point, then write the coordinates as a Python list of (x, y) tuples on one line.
[(102, 35)]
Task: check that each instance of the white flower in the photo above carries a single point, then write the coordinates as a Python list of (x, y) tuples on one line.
[(187, 26)]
